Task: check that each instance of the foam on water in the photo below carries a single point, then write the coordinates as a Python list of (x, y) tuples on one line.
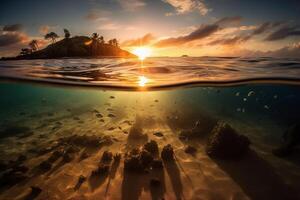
[(160, 72)]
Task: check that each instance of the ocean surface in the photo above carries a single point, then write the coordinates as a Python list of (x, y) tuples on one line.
[(258, 97)]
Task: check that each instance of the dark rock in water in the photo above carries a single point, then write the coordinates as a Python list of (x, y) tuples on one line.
[(20, 168), (157, 164), (3, 165), (72, 149), (84, 155), (21, 158), (80, 181), (99, 115), (201, 129), (158, 134), (138, 161), (82, 141), (55, 155), (167, 153), (67, 157), (11, 178), (111, 115), (154, 182), (117, 157), (190, 150), (45, 165), (101, 170), (12, 131), (35, 191), (290, 139), (226, 143), (107, 157), (151, 147)]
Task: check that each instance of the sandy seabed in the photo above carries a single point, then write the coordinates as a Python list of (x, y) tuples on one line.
[(259, 175)]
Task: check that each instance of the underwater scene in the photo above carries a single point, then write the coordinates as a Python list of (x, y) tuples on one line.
[(66, 135)]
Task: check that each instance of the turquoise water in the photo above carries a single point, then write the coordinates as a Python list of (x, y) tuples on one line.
[(34, 116)]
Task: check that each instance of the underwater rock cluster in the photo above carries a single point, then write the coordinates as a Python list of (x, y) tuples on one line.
[(226, 143), (142, 160)]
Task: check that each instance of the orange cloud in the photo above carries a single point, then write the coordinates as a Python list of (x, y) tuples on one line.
[(145, 40)]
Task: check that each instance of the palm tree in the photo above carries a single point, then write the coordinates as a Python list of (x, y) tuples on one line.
[(52, 36), (33, 45), (67, 33), (101, 40), (110, 42), (25, 51), (115, 42), (94, 46), (95, 36)]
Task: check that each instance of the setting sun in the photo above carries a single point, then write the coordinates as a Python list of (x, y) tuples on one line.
[(142, 52), (142, 81)]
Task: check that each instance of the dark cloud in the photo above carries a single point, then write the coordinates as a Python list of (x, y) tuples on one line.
[(11, 38), (231, 41), (284, 32), (145, 40), (229, 20), (13, 27), (202, 32), (263, 28)]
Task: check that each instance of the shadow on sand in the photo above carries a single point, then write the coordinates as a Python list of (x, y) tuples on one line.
[(257, 178), (134, 183), (174, 174)]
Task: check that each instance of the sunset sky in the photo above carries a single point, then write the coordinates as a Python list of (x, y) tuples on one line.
[(169, 27)]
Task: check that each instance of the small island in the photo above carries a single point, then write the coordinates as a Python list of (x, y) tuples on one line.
[(70, 47)]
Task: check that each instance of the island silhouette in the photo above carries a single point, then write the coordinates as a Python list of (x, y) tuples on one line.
[(77, 46)]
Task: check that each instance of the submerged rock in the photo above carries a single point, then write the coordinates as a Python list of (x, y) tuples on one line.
[(158, 134), (107, 157), (226, 143), (11, 178), (138, 161), (167, 153), (290, 139), (151, 147), (80, 181), (45, 165), (201, 129), (190, 150)]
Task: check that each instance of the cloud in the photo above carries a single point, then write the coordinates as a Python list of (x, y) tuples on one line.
[(238, 39), (229, 20), (109, 26), (284, 32), (186, 6), (145, 40), (13, 27), (10, 38), (98, 15), (44, 29), (202, 32), (131, 5)]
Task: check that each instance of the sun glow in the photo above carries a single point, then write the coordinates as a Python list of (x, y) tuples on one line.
[(142, 81), (142, 52)]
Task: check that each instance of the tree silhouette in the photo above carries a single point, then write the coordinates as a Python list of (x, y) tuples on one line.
[(115, 42), (95, 36), (25, 51), (33, 45), (67, 33), (101, 40), (52, 36)]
